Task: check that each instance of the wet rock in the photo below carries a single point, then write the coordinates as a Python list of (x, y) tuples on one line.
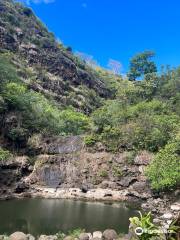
[(97, 234), (83, 236), (109, 234), (18, 236)]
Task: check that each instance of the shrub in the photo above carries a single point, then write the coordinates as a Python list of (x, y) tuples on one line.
[(41, 115), (7, 71), (90, 140), (76, 232), (164, 170), (146, 125), (103, 173), (117, 172), (4, 154), (18, 134), (148, 231)]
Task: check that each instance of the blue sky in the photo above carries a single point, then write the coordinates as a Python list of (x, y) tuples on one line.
[(115, 29)]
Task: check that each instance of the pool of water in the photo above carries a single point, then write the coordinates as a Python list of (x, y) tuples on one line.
[(49, 216)]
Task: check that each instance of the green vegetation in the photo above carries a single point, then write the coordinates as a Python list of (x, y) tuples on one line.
[(103, 174), (36, 113), (4, 154), (117, 172), (140, 115), (126, 114), (145, 229), (141, 64), (164, 171), (76, 232)]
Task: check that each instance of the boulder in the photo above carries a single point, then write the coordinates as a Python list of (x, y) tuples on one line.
[(97, 234), (83, 236), (18, 236), (109, 234)]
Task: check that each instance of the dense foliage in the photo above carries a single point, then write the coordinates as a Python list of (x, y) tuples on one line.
[(141, 64), (144, 115), (35, 112), (164, 171)]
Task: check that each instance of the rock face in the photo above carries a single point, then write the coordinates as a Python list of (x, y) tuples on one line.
[(66, 163), (12, 173)]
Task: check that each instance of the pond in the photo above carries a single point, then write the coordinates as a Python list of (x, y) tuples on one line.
[(49, 216)]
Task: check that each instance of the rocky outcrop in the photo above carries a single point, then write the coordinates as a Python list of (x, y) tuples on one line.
[(66, 163), (12, 173), (56, 71)]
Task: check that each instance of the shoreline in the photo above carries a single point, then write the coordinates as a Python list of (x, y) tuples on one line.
[(92, 195)]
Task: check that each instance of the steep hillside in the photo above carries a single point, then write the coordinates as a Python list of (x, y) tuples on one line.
[(52, 69), (62, 121)]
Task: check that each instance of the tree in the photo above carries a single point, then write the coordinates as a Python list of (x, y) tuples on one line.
[(141, 64)]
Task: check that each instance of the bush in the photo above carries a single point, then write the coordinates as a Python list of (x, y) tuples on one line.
[(18, 135), (164, 170), (117, 171), (40, 115), (4, 154), (7, 71), (146, 125), (90, 140), (103, 174)]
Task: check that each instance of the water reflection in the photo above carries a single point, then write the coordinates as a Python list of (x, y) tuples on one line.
[(48, 216)]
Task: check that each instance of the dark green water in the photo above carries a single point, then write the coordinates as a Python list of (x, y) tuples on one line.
[(49, 216)]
